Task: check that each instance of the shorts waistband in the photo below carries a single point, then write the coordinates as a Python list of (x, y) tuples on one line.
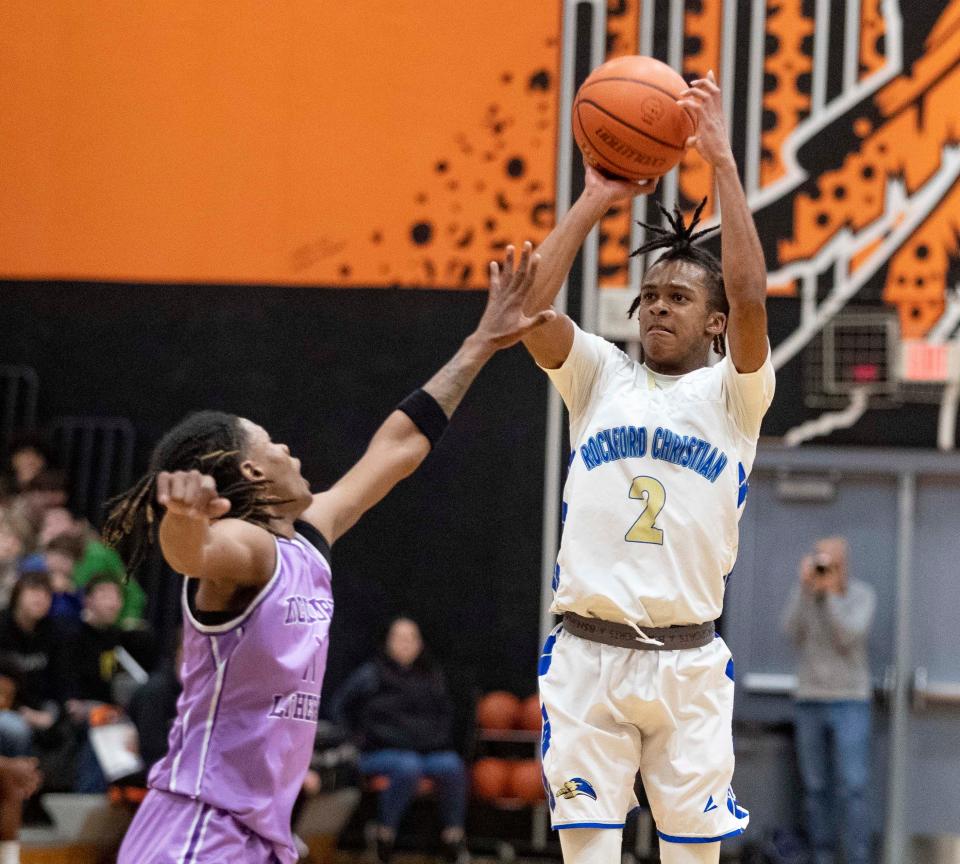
[(624, 636)]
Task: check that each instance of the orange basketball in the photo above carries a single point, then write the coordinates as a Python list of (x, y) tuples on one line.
[(526, 780), (498, 710), (530, 717), (626, 119), (490, 778)]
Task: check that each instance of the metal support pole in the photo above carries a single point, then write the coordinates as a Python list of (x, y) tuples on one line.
[(550, 538), (895, 839)]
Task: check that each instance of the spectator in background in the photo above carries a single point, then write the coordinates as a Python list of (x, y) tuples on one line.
[(828, 617), (398, 709), (57, 521), (96, 557), (100, 558), (16, 540), (60, 556), (46, 491), (100, 652), (30, 657), (28, 458)]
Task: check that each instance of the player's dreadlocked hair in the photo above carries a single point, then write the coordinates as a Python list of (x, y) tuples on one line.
[(210, 442), (679, 240)]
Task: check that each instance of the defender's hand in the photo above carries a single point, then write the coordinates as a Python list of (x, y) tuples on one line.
[(703, 100), (503, 323), (190, 494)]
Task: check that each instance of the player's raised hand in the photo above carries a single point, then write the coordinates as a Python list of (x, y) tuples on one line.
[(503, 323), (190, 494), (703, 100), (615, 189)]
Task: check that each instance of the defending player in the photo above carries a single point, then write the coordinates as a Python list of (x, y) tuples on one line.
[(238, 518), (634, 678)]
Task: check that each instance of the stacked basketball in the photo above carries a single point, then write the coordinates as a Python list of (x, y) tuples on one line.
[(496, 778)]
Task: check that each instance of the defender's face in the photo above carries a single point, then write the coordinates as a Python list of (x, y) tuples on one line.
[(269, 460), (676, 322)]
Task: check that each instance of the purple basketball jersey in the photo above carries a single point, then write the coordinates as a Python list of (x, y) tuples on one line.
[(247, 716)]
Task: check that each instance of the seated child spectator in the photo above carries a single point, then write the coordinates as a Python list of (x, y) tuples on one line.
[(28, 458), (96, 557), (60, 556), (57, 521), (100, 652), (46, 491), (30, 657), (16, 539)]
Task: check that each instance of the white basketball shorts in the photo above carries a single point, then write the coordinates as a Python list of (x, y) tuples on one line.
[(609, 712)]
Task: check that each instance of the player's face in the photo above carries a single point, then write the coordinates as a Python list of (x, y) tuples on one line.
[(270, 460), (676, 321)]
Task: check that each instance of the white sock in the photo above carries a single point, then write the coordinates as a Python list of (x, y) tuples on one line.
[(591, 845), (689, 853), (9, 852)]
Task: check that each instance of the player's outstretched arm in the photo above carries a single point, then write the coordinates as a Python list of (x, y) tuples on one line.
[(226, 550), (400, 444), (744, 270), (549, 345)]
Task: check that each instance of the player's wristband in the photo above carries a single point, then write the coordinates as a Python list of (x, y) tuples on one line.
[(426, 414)]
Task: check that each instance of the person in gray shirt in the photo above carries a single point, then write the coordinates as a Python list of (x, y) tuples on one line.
[(828, 618)]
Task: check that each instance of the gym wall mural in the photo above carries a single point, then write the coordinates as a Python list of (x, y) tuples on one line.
[(298, 143)]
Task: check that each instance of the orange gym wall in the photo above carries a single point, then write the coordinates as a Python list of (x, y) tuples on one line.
[(297, 143), (407, 143)]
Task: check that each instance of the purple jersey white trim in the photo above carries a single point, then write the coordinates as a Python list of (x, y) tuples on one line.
[(192, 835), (246, 718), (221, 666), (173, 829)]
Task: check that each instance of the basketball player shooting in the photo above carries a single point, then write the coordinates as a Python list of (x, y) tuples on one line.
[(237, 518), (634, 677)]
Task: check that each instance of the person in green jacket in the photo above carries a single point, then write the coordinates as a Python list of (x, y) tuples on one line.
[(99, 558)]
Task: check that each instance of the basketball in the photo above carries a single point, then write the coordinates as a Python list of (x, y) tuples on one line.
[(530, 716), (526, 780), (491, 778), (626, 120), (498, 710)]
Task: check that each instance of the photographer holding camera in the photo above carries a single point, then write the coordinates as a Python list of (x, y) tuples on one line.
[(828, 618)]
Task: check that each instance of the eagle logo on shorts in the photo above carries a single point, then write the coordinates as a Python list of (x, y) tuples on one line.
[(576, 786)]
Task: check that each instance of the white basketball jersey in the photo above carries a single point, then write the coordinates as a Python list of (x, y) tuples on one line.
[(657, 482)]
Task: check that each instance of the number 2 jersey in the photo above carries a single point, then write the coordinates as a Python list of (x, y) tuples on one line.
[(656, 484)]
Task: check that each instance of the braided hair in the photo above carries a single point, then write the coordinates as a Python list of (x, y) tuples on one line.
[(208, 441), (679, 241)]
